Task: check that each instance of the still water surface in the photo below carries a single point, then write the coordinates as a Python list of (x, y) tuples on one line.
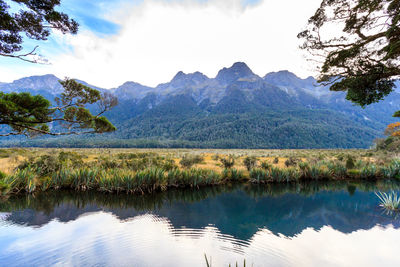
[(277, 225)]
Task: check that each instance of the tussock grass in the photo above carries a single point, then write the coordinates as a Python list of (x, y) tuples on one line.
[(141, 171)]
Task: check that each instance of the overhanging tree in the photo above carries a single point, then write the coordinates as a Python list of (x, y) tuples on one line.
[(357, 43), (35, 19), (35, 115), (31, 115)]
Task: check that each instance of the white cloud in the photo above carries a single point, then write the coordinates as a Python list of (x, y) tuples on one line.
[(158, 39)]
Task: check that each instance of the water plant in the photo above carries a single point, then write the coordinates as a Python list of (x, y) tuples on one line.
[(392, 170), (21, 180), (233, 174), (389, 201), (4, 188), (209, 262)]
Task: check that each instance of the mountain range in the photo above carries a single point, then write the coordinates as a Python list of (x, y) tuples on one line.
[(236, 109)]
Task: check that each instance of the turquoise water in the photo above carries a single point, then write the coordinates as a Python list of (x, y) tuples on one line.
[(316, 224)]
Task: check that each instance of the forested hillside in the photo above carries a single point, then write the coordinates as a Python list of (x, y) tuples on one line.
[(236, 109)]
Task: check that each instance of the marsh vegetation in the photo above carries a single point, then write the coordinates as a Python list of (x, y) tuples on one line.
[(146, 171)]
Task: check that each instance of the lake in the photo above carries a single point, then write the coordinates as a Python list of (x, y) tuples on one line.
[(313, 224)]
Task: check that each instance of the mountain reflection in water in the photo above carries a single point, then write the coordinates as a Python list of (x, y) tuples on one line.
[(316, 224)]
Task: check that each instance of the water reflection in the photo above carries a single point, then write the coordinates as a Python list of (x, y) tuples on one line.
[(277, 225)]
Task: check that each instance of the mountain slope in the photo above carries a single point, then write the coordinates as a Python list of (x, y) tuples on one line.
[(236, 109)]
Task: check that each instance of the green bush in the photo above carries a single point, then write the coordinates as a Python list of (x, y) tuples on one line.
[(291, 162), (4, 188), (188, 161), (228, 162), (2, 175), (233, 174), (250, 162), (265, 165), (354, 173), (70, 159), (168, 164), (350, 162), (43, 165)]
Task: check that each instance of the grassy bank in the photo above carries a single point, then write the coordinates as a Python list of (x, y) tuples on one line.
[(149, 171)]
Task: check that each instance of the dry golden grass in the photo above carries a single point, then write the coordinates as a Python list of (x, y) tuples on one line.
[(16, 156)]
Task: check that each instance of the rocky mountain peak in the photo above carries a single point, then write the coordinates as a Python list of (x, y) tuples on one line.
[(48, 83), (238, 70)]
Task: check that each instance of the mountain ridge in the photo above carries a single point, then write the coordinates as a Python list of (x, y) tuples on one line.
[(237, 108)]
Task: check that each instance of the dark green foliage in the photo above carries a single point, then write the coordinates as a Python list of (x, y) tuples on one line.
[(284, 129), (4, 188), (276, 160), (350, 162), (233, 175), (35, 19), (265, 165), (108, 163), (188, 161), (71, 159), (2, 175), (351, 188), (364, 59), (340, 157), (24, 113), (43, 165), (392, 144), (291, 162), (228, 161), (30, 115), (250, 162)]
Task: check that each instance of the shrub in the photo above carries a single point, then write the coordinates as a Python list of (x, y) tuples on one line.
[(168, 164), (188, 161), (354, 174), (265, 165), (44, 165), (259, 176), (233, 174), (250, 162), (108, 163), (24, 179), (215, 157), (4, 153), (70, 159), (340, 157), (291, 162), (350, 162), (276, 160), (369, 172), (4, 188), (391, 171), (228, 162), (304, 169), (337, 170)]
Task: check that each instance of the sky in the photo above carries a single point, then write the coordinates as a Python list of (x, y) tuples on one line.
[(149, 41)]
